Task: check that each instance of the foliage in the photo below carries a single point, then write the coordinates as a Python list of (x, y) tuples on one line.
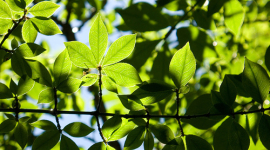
[(200, 65)]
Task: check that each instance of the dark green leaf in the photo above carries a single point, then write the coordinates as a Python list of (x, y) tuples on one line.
[(13, 87), (46, 140), (221, 141), (238, 137), (228, 91), (67, 144), (122, 131), (18, 64), (162, 132), (220, 104), (109, 84), (7, 125), (77, 129), (214, 6), (21, 134), (148, 141), (44, 124), (30, 50), (46, 96), (98, 146), (14, 43), (25, 85), (194, 143), (29, 32), (135, 138), (5, 92), (24, 119), (264, 130), (111, 125), (10, 116), (203, 21), (131, 102), (237, 80), (45, 26), (266, 57), (176, 144), (70, 85)]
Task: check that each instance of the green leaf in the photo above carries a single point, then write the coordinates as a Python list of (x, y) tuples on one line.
[(67, 144), (38, 72), (148, 141), (234, 16), (152, 93), (220, 104), (120, 49), (122, 131), (70, 85), (10, 116), (46, 140), (44, 124), (25, 85), (80, 55), (29, 32), (62, 67), (18, 5), (194, 143), (5, 24), (228, 91), (5, 11), (21, 134), (111, 125), (44, 9), (172, 146), (24, 119), (264, 130), (7, 125), (237, 80), (162, 132), (14, 43), (98, 146), (135, 138), (221, 141), (109, 84), (214, 6), (266, 56), (98, 39), (143, 17), (77, 129), (238, 137), (5, 92), (13, 87), (30, 50), (108, 147), (18, 64), (182, 66), (203, 21), (45, 26), (255, 81), (89, 79), (123, 74), (131, 102), (46, 96)]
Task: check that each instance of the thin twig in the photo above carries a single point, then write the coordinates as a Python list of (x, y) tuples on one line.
[(55, 109), (17, 109), (177, 112)]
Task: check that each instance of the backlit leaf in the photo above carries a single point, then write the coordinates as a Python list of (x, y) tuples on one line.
[(29, 32), (5, 11), (131, 102), (46, 96), (46, 140), (30, 50), (148, 141), (162, 132), (135, 138), (25, 85), (109, 84), (13, 86), (44, 9), (21, 134), (5, 24), (77, 129), (214, 6), (18, 5), (111, 125), (122, 131), (179, 145), (5, 92), (67, 144), (228, 91), (264, 130), (89, 79), (70, 85), (45, 26), (98, 146), (7, 125), (44, 124)]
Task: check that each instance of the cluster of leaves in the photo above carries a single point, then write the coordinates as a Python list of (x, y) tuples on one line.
[(211, 48)]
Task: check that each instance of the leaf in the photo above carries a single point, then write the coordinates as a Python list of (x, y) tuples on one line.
[(18, 64), (46, 96), (24, 119), (203, 21), (98, 39), (143, 17), (108, 147), (7, 125), (221, 137), (5, 92), (120, 49), (21, 134), (148, 141), (220, 104), (13, 87), (98, 146), (122, 131), (152, 93), (89, 79), (264, 130), (109, 84), (70, 85), (5, 24), (44, 9), (131, 102), (38, 72), (77, 129), (182, 66), (135, 138), (172, 146), (18, 5), (123, 74), (111, 125), (194, 143), (5, 12), (44, 124), (228, 91), (25, 85), (67, 144), (46, 140), (234, 16), (214, 6), (80, 55), (14, 43), (266, 56), (30, 50), (10, 116), (162, 132), (256, 81), (62, 67), (29, 32), (45, 26), (238, 137)]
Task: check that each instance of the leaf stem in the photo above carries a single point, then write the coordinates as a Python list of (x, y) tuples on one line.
[(55, 112), (177, 117)]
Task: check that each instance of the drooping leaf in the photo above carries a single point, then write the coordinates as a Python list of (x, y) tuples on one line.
[(46, 140), (29, 32), (67, 144), (238, 137), (109, 84), (194, 143), (221, 141), (135, 138), (182, 66), (80, 55), (143, 17), (123, 74), (233, 16), (46, 96), (111, 125), (5, 12), (98, 39), (18, 5), (228, 91), (45, 26), (122, 131), (98, 146), (214, 6), (44, 124), (5, 24), (256, 81), (7, 125), (162, 132), (5, 92), (172, 146), (21, 134), (148, 141), (13, 87), (30, 50), (77, 129), (44, 9), (264, 130), (120, 49), (266, 56), (89, 79), (70, 85), (131, 102)]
